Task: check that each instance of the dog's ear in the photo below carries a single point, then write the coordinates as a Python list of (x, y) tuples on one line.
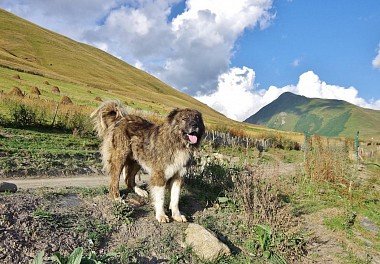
[(201, 125), (172, 114)]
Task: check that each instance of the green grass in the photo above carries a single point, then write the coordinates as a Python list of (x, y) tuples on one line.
[(35, 152)]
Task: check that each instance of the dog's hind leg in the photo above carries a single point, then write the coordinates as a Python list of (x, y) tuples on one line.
[(115, 167), (175, 189), (129, 173)]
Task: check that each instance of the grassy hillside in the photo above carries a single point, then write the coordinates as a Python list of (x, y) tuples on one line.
[(80, 71), (319, 116)]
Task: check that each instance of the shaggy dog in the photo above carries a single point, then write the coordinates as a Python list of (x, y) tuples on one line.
[(130, 143)]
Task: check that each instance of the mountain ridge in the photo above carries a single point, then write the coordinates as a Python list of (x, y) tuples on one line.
[(326, 117)]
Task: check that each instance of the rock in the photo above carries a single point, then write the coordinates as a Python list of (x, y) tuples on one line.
[(204, 244), (369, 225), (8, 187)]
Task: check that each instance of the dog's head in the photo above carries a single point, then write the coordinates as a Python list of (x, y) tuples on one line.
[(189, 124)]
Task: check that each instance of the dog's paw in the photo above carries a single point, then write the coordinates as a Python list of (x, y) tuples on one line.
[(180, 218), (119, 200), (140, 192), (162, 218)]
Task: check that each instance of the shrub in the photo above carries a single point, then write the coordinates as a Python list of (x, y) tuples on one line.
[(23, 116), (213, 177), (325, 161)]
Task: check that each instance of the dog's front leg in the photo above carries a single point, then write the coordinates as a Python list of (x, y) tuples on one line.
[(175, 189), (157, 190)]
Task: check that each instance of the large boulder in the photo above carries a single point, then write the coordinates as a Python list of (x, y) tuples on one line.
[(204, 243), (8, 187)]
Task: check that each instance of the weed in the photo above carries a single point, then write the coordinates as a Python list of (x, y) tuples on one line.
[(41, 213), (275, 231), (127, 255), (327, 162), (23, 116), (123, 212), (266, 242), (214, 178), (76, 257), (39, 258), (97, 231)]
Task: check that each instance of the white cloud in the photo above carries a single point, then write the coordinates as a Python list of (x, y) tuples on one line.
[(234, 96), (189, 51), (70, 17), (376, 60), (237, 98), (204, 37)]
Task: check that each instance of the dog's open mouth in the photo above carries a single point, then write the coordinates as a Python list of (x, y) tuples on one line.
[(192, 137)]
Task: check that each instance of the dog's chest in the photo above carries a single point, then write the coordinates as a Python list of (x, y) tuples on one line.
[(178, 164)]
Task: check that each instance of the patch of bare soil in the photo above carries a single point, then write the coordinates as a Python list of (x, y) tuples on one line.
[(61, 220), (327, 247), (332, 246)]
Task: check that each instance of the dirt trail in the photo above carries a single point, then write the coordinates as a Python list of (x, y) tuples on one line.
[(93, 180), (78, 181)]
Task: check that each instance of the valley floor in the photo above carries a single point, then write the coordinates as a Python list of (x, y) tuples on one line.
[(244, 199)]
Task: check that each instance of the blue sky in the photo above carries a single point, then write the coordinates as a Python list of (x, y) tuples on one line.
[(336, 39), (234, 55)]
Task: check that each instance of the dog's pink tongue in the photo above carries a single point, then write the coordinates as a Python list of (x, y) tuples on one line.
[(193, 139)]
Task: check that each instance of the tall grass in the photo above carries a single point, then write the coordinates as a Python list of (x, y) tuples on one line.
[(326, 161), (37, 113)]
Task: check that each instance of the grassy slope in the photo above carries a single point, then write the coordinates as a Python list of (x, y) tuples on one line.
[(78, 68), (321, 116)]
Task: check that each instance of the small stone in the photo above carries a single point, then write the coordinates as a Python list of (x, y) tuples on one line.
[(204, 244), (369, 225), (8, 187)]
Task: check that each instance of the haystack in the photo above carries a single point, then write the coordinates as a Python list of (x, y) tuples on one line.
[(16, 76), (46, 82), (34, 90), (16, 92), (98, 99), (55, 89), (66, 100)]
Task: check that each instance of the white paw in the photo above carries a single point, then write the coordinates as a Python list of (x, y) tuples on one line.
[(179, 218), (163, 218), (140, 192), (120, 200)]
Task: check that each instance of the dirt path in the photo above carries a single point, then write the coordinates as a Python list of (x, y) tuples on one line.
[(93, 180), (78, 181)]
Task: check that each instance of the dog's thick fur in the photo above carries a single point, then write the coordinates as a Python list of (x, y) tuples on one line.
[(130, 142)]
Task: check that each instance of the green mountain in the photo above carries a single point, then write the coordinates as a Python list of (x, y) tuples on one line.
[(325, 117), (43, 59)]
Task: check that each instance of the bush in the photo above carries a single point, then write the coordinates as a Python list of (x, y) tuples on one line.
[(23, 116), (327, 162), (214, 177)]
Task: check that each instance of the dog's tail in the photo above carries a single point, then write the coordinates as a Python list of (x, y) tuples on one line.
[(106, 115)]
